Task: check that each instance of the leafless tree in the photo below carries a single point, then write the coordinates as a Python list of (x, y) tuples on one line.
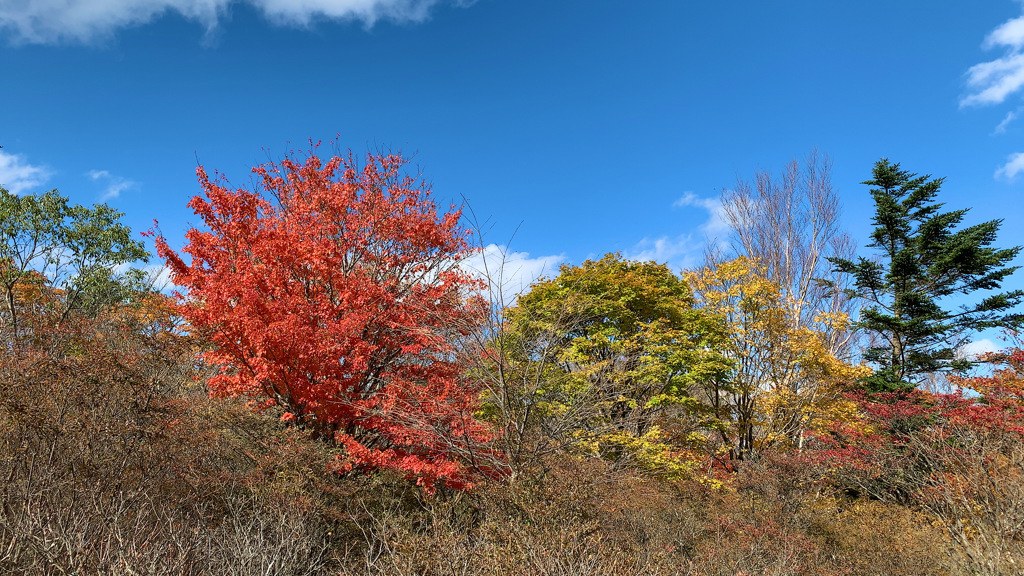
[(791, 224)]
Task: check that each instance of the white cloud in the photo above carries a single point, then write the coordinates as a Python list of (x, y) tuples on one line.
[(972, 350), (1009, 33), (680, 252), (686, 250), (715, 227), (1014, 165), (115, 184), (83, 21), (994, 81), (159, 277), (1010, 117), (17, 175), (509, 274)]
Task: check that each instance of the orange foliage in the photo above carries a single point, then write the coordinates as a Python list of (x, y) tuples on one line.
[(335, 292)]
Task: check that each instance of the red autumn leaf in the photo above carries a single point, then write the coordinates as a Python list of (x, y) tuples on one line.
[(335, 291)]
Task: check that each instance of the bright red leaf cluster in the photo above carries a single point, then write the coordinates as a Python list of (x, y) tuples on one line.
[(916, 442), (335, 291)]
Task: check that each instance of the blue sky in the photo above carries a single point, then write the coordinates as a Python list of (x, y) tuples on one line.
[(581, 123)]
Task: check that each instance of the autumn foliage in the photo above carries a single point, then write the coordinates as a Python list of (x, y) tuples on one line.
[(786, 381), (620, 418), (333, 290)]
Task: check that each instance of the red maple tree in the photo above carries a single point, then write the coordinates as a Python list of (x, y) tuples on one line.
[(335, 291)]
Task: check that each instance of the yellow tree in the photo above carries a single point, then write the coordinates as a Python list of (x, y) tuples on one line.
[(786, 380)]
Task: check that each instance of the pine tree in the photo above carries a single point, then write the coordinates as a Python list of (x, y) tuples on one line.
[(924, 262)]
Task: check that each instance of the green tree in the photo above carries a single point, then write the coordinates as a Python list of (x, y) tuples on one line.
[(66, 255), (629, 351), (925, 261)]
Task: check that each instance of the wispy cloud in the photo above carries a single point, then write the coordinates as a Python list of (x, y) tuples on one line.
[(1009, 33), (680, 252), (17, 175), (1014, 165), (972, 350), (159, 277), (1010, 117), (991, 83), (84, 21), (508, 273), (114, 184), (994, 81), (715, 227), (686, 250)]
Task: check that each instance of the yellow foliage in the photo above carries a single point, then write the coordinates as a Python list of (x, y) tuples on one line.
[(652, 452), (787, 381)]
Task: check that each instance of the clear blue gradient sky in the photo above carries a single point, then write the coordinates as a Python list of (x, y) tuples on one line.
[(586, 121)]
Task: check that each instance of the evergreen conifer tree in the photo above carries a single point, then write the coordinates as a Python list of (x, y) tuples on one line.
[(924, 263)]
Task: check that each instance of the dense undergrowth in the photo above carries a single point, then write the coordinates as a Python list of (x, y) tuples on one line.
[(117, 462)]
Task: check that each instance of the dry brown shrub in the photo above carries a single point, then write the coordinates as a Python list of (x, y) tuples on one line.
[(111, 464), (114, 461), (583, 517), (854, 536), (872, 537), (550, 524)]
